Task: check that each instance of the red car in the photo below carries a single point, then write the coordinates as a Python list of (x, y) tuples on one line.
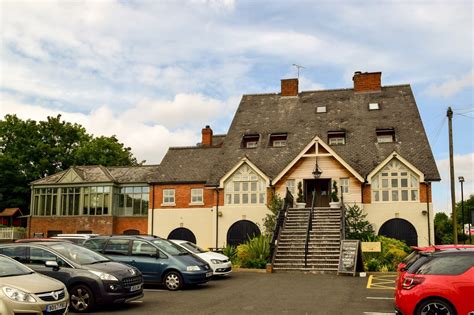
[(438, 282)]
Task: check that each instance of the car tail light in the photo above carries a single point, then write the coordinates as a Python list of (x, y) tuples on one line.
[(410, 281)]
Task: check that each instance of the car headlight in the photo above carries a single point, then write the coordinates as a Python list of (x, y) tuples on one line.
[(18, 295), (104, 276), (216, 261), (193, 268)]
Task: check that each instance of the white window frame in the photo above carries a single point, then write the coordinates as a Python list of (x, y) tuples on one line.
[(395, 181), (251, 144), (245, 188), (337, 140), (279, 143), (344, 185), (169, 197), (197, 196)]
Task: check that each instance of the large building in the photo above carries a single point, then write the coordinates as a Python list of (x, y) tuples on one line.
[(369, 139)]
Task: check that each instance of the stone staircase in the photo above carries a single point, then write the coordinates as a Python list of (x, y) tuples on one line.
[(323, 246)]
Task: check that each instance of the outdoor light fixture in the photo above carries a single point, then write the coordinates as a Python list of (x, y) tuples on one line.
[(461, 180), (317, 172)]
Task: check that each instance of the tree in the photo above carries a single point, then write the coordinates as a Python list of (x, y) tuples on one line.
[(357, 227), (443, 226), (30, 150), (275, 205)]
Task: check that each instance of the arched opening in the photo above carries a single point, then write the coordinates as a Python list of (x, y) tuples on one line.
[(241, 231), (131, 232), (400, 229), (183, 234)]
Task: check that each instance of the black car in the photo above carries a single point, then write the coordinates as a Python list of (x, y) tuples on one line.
[(90, 278)]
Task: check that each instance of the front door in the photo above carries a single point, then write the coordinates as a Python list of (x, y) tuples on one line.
[(322, 187)]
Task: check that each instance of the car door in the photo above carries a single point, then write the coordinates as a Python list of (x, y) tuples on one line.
[(118, 249), (37, 257), (149, 260)]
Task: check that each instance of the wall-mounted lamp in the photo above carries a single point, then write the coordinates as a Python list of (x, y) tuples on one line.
[(317, 172)]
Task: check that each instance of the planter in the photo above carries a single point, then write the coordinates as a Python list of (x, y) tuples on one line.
[(301, 205), (334, 205)]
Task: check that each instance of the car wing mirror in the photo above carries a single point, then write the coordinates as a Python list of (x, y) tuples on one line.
[(52, 264)]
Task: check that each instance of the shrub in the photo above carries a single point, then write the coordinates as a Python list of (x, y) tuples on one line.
[(275, 205), (372, 265), (255, 252), (299, 197), (392, 253), (334, 197), (231, 252)]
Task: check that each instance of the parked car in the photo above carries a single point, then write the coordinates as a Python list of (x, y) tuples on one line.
[(24, 291), (219, 263), (439, 282), (36, 240), (75, 238), (159, 260), (90, 278)]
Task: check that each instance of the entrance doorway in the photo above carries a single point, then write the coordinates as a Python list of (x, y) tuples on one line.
[(401, 230), (322, 187)]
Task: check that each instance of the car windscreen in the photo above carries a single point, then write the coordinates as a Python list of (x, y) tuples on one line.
[(193, 247), (169, 248), (9, 267), (78, 254)]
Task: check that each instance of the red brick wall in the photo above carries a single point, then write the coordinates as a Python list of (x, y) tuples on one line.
[(206, 137), (71, 224), (366, 194), (183, 196), (289, 87), (423, 188), (122, 224), (365, 82)]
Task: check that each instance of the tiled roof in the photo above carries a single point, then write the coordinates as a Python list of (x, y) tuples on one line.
[(101, 174), (346, 110), (9, 212)]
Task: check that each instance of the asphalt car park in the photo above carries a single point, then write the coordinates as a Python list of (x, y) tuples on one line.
[(262, 293)]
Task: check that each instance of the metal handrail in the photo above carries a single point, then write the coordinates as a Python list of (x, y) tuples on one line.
[(280, 221), (343, 216), (308, 229)]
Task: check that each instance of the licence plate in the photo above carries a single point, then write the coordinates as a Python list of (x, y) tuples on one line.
[(208, 274), (135, 287), (55, 307)]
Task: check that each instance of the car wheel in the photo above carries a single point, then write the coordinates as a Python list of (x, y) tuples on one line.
[(82, 299), (173, 281), (435, 307)]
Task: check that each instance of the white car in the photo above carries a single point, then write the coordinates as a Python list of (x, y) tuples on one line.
[(219, 263)]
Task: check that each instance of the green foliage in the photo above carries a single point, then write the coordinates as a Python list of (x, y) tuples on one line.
[(334, 197), (443, 226), (393, 252), (30, 150), (357, 227), (255, 252), (231, 252), (299, 197), (275, 205)]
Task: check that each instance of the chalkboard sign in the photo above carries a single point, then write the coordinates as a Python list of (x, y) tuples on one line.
[(349, 256)]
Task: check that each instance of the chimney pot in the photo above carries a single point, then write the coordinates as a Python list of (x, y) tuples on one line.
[(206, 136), (289, 87), (367, 81)]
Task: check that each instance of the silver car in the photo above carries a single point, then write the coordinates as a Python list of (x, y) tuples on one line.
[(24, 291)]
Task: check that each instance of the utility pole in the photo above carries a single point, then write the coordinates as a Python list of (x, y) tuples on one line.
[(451, 170)]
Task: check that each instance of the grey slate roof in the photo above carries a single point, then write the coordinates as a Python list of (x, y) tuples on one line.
[(187, 165), (102, 174), (346, 110)]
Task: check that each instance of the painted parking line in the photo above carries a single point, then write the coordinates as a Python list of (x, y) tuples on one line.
[(382, 282), (379, 298), (377, 313)]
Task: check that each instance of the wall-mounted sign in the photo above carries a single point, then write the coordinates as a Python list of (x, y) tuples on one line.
[(371, 247)]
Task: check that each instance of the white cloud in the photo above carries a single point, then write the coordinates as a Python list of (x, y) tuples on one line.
[(149, 128), (463, 166), (452, 85)]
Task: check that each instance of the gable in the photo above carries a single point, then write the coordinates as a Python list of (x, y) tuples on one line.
[(71, 176)]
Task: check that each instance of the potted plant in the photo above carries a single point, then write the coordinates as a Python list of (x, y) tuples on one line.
[(300, 202), (334, 197)]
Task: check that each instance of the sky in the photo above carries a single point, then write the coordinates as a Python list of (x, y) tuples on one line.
[(154, 73)]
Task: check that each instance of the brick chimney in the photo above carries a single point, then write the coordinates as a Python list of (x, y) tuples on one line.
[(206, 136), (367, 81), (289, 87)]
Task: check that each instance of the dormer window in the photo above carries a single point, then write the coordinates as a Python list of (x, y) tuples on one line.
[(320, 109), (385, 135), (250, 141), (337, 137), (278, 140)]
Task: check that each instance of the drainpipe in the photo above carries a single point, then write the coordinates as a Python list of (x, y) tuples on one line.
[(152, 207), (217, 217), (428, 187)]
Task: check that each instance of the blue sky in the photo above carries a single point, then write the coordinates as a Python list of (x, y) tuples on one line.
[(155, 72)]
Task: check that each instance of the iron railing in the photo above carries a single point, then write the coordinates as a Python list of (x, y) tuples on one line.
[(343, 216), (280, 221), (309, 228)]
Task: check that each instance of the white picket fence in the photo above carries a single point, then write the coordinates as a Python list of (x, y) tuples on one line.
[(12, 233)]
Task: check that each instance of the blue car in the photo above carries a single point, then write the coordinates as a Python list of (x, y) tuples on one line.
[(159, 260)]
